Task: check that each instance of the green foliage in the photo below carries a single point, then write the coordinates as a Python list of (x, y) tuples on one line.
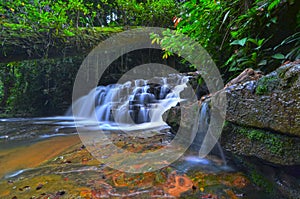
[(201, 21), (294, 52), (46, 15), (174, 42), (237, 34), (252, 27), (155, 13), (41, 87), (247, 54), (41, 15)]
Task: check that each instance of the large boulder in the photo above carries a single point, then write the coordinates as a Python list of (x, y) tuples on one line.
[(263, 115), (272, 102)]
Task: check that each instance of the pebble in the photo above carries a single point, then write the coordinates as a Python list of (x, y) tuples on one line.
[(194, 188), (84, 160), (26, 187), (60, 193), (39, 186)]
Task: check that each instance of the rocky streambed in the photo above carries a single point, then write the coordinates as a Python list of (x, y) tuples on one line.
[(72, 172), (44, 158), (61, 167)]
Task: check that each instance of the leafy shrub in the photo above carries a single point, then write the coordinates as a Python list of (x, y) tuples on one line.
[(238, 34), (155, 13), (64, 15), (38, 87)]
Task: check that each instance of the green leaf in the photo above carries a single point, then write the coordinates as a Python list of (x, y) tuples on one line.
[(290, 39), (254, 41), (262, 62), (231, 59), (294, 53), (200, 81), (273, 4), (254, 56), (246, 63), (274, 20), (68, 33), (234, 33), (260, 42), (240, 42), (233, 69), (242, 59), (278, 56)]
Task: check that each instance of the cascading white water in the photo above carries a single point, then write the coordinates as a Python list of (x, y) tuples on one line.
[(139, 105), (131, 103)]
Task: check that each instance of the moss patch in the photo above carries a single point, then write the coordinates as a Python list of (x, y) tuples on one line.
[(266, 84), (267, 145), (272, 141), (283, 78)]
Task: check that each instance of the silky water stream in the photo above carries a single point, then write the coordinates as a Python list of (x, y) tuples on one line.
[(44, 157)]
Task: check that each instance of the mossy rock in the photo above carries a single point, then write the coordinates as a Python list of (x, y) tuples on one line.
[(267, 84), (272, 102), (267, 145), (285, 77)]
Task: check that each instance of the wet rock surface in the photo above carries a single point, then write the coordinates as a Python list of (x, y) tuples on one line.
[(272, 102), (272, 147), (262, 128), (77, 174), (73, 172), (263, 115)]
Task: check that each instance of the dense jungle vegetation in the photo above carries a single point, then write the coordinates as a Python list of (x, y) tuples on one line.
[(261, 34)]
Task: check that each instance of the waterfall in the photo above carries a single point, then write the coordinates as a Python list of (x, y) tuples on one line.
[(204, 137), (139, 102)]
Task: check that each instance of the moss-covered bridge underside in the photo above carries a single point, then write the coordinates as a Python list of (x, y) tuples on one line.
[(17, 45)]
